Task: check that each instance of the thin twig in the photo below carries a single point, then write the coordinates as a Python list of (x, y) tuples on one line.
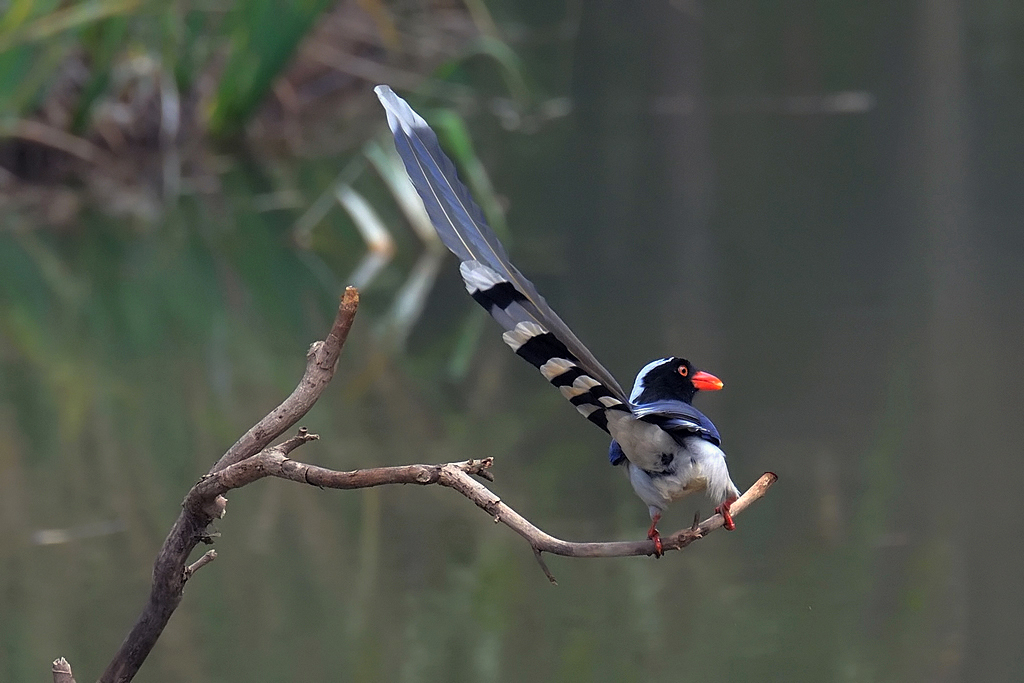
[(542, 563), (62, 671), (207, 557), (321, 361)]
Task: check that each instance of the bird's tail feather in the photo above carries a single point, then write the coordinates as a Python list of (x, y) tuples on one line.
[(532, 328)]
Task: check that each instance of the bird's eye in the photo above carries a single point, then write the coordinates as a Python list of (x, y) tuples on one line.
[(683, 370)]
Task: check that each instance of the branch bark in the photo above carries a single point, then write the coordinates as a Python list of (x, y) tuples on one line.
[(274, 462)]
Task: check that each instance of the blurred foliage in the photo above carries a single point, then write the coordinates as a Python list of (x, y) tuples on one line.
[(264, 35), (66, 58), (133, 351), (255, 40), (35, 37)]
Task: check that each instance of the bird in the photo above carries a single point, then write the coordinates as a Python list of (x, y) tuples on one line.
[(668, 448)]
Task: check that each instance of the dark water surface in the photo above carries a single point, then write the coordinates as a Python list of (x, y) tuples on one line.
[(819, 203)]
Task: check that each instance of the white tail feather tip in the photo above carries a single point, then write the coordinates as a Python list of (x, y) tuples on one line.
[(556, 367), (478, 277), (571, 392), (523, 333), (585, 383)]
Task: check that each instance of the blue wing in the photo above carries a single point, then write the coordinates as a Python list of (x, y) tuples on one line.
[(616, 456), (678, 417)]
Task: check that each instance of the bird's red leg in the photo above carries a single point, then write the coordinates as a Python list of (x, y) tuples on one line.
[(723, 510), (653, 534)]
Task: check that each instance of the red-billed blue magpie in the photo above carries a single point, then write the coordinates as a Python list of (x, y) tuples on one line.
[(670, 449)]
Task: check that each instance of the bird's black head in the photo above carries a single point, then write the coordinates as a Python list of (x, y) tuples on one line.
[(671, 378)]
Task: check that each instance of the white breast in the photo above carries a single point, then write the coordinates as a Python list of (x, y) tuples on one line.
[(696, 465)]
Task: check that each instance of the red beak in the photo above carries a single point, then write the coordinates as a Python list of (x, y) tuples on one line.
[(705, 381)]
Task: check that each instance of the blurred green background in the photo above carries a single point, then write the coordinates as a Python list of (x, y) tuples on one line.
[(819, 202)]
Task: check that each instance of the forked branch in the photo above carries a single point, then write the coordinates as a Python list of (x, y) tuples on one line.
[(169, 571), (252, 458), (273, 462)]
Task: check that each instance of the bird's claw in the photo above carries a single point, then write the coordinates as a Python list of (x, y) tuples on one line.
[(723, 510), (656, 537), (653, 535)]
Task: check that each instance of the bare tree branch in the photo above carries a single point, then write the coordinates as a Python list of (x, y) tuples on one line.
[(321, 361), (543, 542), (169, 570), (273, 462), (252, 458)]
